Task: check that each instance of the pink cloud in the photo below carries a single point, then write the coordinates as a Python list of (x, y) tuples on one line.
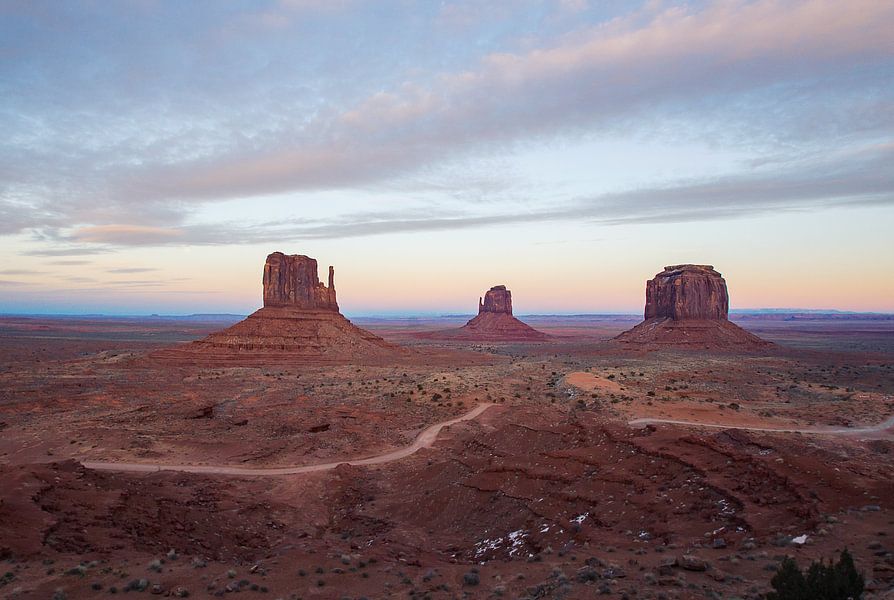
[(594, 77), (124, 234)]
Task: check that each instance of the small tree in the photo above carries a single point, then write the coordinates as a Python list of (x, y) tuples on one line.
[(821, 581), (849, 582), (788, 582), (839, 581)]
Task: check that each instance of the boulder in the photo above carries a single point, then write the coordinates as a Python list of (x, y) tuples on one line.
[(692, 563)]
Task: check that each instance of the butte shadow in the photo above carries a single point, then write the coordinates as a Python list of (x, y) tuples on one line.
[(494, 322), (687, 306), (299, 323)]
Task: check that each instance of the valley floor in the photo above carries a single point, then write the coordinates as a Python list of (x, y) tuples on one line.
[(594, 469)]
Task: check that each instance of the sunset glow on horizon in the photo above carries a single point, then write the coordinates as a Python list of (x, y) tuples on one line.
[(155, 152)]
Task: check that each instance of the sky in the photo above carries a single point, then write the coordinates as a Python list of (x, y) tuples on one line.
[(154, 152)]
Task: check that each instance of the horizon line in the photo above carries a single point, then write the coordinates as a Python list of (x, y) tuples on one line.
[(433, 314)]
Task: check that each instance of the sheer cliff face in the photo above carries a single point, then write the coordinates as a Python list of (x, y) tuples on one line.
[(292, 281), (682, 292), (497, 300)]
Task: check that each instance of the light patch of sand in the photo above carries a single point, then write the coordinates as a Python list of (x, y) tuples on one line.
[(592, 383), (708, 414)]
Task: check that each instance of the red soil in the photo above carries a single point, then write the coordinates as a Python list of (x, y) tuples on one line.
[(547, 494)]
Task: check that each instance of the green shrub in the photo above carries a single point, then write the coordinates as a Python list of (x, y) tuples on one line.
[(839, 581)]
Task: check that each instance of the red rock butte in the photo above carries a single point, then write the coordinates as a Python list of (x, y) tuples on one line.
[(495, 322), (688, 306), (293, 281), (299, 322)]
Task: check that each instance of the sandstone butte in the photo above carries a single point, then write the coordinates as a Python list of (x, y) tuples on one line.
[(688, 306), (494, 321), (299, 322)]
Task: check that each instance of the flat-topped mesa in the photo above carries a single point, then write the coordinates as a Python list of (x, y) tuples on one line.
[(496, 300), (292, 280), (688, 306), (682, 292), (298, 324)]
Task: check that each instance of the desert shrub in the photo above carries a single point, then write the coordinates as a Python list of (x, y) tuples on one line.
[(838, 581), (788, 583)]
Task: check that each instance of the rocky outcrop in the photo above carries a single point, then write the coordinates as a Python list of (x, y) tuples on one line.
[(497, 300), (299, 323), (688, 306), (687, 292), (292, 280), (494, 322)]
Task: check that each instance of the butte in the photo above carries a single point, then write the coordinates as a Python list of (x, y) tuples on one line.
[(299, 323), (494, 322), (688, 306)]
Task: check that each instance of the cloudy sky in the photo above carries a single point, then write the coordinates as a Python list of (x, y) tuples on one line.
[(153, 153)]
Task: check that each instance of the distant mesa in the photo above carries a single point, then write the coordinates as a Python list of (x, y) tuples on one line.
[(293, 281), (688, 306), (496, 300), (495, 322), (685, 292), (300, 322)]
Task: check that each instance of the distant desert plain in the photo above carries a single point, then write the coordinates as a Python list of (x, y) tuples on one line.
[(297, 454)]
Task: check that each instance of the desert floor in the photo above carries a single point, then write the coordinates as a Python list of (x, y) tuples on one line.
[(569, 481)]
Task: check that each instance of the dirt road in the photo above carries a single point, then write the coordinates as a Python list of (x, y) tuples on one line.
[(423, 440), (428, 436), (881, 430)]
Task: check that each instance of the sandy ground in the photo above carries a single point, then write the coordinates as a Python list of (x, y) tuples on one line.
[(424, 440), (548, 493), (881, 431)]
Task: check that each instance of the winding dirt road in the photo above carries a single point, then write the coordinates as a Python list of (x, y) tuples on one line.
[(423, 440), (868, 431), (428, 436)]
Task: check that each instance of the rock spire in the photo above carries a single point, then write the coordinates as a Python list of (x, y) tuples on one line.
[(292, 280), (496, 300)]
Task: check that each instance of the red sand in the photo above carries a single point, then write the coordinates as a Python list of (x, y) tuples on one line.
[(550, 492)]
